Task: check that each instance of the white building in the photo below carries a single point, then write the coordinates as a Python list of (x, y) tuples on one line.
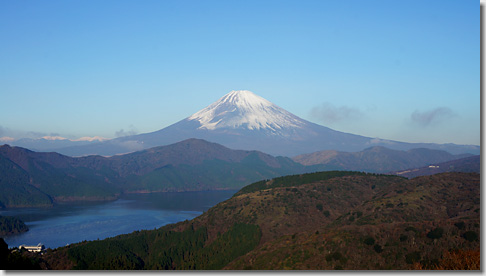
[(32, 248)]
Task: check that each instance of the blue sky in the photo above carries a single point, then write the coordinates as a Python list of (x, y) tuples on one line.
[(401, 70)]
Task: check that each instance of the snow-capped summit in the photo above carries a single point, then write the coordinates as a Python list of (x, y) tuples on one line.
[(244, 109)]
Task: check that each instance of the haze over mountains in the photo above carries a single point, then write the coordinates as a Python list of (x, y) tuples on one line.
[(243, 120)]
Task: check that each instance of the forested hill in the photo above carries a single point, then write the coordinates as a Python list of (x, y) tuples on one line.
[(39, 179), (11, 225), (315, 221)]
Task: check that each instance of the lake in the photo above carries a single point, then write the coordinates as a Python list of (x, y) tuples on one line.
[(70, 223)]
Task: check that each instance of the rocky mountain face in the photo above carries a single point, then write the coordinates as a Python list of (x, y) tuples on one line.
[(243, 120)]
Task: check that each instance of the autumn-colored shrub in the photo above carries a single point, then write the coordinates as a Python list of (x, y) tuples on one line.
[(455, 260)]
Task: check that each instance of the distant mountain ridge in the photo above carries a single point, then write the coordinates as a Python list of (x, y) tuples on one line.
[(467, 164), (52, 143), (243, 120), (375, 159), (42, 178)]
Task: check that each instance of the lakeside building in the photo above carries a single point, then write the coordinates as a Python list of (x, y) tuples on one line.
[(33, 248)]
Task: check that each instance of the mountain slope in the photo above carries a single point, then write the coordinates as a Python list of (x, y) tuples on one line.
[(196, 164), (52, 175), (328, 220), (16, 187), (243, 120), (34, 178), (377, 224), (375, 159)]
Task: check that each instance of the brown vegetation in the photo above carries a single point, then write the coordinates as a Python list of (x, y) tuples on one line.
[(354, 222), (455, 260)]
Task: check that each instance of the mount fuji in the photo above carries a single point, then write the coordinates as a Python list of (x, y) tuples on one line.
[(244, 120)]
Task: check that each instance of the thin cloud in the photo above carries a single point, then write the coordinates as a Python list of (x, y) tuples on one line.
[(17, 134), (121, 133), (35, 134), (432, 117), (328, 113)]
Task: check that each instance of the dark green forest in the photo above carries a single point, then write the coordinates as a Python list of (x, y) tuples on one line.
[(166, 249), (11, 225)]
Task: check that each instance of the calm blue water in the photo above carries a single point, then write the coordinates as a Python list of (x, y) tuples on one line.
[(66, 224)]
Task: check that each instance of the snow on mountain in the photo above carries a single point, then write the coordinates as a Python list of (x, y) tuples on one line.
[(53, 138), (6, 139), (244, 109)]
